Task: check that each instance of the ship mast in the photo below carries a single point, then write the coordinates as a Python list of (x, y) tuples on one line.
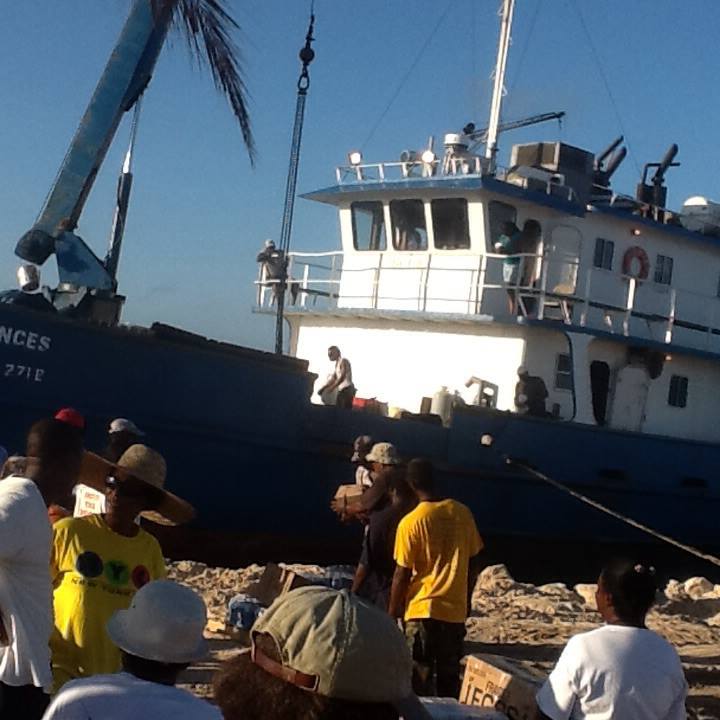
[(499, 86)]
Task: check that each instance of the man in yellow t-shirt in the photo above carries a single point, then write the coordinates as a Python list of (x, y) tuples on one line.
[(436, 549), (98, 563)]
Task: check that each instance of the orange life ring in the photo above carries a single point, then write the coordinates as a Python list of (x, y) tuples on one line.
[(636, 253)]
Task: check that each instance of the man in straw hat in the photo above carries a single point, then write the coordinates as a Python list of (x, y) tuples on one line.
[(385, 466), (158, 636), (321, 653), (99, 562)]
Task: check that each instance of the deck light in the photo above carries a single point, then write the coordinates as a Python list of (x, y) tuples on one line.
[(635, 232), (428, 156), (355, 157)]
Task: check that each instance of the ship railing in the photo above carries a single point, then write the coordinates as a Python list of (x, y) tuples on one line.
[(543, 287), (310, 277), (415, 168)]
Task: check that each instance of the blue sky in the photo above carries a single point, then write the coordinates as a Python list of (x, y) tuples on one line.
[(199, 211)]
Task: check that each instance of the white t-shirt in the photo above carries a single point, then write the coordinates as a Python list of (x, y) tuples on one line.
[(25, 591), (363, 476), (616, 672), (343, 367), (124, 697)]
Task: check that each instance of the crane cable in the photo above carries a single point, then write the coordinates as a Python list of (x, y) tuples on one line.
[(307, 55), (613, 513)]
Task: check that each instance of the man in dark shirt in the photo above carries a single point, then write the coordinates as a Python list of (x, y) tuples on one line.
[(373, 577), (530, 394)]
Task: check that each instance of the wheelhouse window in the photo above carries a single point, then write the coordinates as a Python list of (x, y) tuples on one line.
[(563, 372), (603, 257), (368, 224), (409, 231), (450, 224), (663, 269), (677, 395), (499, 213)]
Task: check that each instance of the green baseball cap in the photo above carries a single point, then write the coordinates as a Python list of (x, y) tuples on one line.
[(335, 644)]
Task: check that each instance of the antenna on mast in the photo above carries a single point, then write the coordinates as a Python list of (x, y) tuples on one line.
[(506, 11)]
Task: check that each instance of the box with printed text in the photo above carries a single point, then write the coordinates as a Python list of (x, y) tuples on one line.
[(496, 682)]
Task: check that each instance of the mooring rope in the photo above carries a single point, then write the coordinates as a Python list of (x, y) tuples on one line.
[(619, 516)]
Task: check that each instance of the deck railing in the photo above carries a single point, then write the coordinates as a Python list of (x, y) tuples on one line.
[(543, 287)]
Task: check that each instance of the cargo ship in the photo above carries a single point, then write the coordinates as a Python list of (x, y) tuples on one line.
[(612, 303)]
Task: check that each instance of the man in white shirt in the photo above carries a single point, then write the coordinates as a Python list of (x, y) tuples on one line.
[(341, 380), (621, 670), (43, 478), (160, 635)]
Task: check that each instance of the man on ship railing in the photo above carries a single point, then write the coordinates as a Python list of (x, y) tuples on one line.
[(274, 270)]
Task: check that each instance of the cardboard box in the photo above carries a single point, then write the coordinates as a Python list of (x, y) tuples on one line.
[(450, 709), (496, 682), (349, 494), (276, 581)]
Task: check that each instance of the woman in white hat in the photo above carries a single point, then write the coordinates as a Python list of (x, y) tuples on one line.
[(158, 637), (99, 562)]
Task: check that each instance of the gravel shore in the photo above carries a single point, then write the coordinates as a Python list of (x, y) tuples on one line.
[(528, 623)]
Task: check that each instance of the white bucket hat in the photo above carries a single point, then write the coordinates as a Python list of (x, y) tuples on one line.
[(383, 453), (164, 623), (125, 425)]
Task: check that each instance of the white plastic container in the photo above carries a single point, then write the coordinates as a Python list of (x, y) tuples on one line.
[(442, 404)]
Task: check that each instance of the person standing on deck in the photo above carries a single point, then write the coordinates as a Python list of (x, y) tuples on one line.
[(530, 394), (508, 243), (100, 561), (436, 551), (44, 477), (341, 379)]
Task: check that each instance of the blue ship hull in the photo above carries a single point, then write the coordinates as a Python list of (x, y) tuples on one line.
[(258, 460)]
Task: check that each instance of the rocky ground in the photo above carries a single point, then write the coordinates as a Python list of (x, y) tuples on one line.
[(525, 622)]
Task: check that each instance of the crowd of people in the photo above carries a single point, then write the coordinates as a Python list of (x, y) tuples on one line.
[(91, 628)]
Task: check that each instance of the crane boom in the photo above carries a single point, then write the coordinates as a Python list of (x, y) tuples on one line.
[(481, 136), (124, 79)]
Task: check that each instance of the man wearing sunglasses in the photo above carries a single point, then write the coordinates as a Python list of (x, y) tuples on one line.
[(99, 562)]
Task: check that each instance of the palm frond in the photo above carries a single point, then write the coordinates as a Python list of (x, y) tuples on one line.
[(208, 28)]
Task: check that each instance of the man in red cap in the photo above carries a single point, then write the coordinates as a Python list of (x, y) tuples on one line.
[(72, 417)]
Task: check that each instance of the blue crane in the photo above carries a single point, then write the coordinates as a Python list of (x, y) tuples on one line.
[(87, 284)]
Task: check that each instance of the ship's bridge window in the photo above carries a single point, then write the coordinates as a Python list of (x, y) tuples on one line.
[(663, 269), (499, 213), (677, 395), (450, 224), (409, 231), (368, 225)]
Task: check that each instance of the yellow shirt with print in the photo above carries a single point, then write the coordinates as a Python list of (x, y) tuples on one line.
[(95, 571), (436, 541)]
